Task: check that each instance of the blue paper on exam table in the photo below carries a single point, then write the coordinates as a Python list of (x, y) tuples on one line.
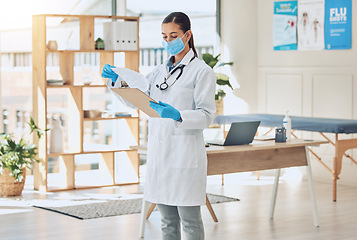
[(327, 125)]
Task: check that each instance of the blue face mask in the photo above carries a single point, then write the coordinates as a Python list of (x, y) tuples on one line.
[(175, 46)]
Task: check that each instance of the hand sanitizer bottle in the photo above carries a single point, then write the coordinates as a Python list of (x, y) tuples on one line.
[(287, 125)]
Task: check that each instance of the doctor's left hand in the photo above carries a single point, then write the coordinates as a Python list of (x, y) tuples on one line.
[(166, 110), (109, 73)]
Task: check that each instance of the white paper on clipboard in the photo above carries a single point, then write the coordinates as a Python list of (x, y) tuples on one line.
[(139, 99), (132, 78)]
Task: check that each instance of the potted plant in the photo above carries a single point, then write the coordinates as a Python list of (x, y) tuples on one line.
[(99, 44), (15, 157), (222, 79)]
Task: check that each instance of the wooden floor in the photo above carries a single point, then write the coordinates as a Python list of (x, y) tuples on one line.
[(247, 219)]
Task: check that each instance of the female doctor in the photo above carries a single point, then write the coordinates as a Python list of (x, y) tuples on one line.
[(184, 88)]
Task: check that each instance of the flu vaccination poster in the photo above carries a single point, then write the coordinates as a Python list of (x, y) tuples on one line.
[(311, 25), (284, 30), (338, 24)]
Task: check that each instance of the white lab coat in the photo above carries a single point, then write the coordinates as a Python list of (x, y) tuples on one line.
[(176, 159)]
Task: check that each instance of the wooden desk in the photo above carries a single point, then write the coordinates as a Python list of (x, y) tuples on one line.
[(311, 124), (262, 155)]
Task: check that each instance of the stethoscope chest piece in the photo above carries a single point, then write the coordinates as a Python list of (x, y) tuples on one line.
[(163, 86)]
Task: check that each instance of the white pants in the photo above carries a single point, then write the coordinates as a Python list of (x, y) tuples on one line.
[(172, 216)]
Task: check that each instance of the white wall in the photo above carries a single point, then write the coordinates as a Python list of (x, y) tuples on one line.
[(307, 83), (239, 45)]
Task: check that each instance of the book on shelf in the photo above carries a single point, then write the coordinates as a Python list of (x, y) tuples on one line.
[(55, 82)]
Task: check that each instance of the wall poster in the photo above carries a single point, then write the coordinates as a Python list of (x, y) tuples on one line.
[(338, 24), (311, 25), (284, 25)]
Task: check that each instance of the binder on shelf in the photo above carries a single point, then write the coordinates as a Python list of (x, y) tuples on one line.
[(120, 35), (113, 36), (109, 36), (132, 28)]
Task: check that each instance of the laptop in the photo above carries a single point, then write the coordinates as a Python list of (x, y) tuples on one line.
[(240, 133)]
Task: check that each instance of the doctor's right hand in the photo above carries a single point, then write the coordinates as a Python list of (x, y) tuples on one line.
[(166, 110), (109, 73)]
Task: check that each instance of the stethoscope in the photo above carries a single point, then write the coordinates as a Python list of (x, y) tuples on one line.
[(163, 86)]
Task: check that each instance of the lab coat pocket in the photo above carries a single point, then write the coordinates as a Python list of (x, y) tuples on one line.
[(184, 153)]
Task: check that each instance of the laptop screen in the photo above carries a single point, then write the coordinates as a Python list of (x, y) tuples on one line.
[(240, 133)]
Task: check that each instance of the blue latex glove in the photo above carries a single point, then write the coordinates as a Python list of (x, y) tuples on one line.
[(166, 110), (109, 73)]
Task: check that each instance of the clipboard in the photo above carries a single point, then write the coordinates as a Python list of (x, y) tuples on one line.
[(138, 98)]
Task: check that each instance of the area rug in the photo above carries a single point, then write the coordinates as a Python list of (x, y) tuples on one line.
[(109, 208)]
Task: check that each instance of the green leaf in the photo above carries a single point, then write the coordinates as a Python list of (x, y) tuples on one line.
[(35, 128), (210, 60), (223, 80), (220, 94), (222, 76), (207, 57), (11, 143)]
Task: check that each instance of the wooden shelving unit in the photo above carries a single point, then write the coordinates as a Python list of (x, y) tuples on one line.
[(76, 120), (110, 118)]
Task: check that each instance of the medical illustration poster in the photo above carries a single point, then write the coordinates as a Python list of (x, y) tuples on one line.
[(284, 26), (311, 25), (338, 24)]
